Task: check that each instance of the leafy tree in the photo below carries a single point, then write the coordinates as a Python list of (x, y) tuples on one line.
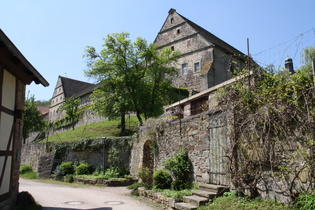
[(33, 120), (45, 103), (71, 108), (134, 76)]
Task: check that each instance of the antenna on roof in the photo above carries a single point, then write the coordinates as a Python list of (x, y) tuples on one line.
[(248, 61)]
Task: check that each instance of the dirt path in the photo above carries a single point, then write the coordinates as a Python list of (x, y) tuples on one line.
[(55, 196)]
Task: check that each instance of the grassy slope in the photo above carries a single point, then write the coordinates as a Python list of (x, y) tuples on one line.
[(106, 128)]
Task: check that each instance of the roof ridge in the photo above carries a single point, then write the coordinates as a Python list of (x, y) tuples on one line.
[(75, 80), (211, 37)]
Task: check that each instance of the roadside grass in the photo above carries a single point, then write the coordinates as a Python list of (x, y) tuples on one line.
[(230, 202), (108, 128), (29, 175)]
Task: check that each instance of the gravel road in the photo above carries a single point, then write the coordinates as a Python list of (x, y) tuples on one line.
[(63, 197)]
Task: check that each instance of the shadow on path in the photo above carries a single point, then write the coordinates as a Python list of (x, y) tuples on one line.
[(54, 208)]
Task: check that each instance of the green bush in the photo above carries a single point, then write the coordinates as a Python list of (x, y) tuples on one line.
[(67, 168), (68, 178), (179, 185), (162, 179), (116, 172), (179, 166), (58, 171), (25, 168), (83, 168), (145, 174)]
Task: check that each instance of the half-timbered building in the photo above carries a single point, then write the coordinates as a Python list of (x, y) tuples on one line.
[(15, 73)]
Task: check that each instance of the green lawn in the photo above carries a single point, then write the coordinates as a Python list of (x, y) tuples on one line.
[(107, 128)]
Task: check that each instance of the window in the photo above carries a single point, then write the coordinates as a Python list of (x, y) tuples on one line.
[(188, 43), (197, 67), (178, 31), (172, 48), (172, 20), (184, 68)]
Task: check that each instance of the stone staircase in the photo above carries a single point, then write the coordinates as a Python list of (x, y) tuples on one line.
[(201, 196)]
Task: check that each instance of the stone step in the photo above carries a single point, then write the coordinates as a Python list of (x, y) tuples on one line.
[(219, 189), (185, 206), (205, 194), (195, 200)]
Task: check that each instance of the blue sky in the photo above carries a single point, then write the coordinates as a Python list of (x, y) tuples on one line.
[(52, 34)]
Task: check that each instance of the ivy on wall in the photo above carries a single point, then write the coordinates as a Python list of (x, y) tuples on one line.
[(90, 144)]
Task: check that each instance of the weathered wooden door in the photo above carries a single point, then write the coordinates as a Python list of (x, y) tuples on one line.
[(219, 147), (7, 106)]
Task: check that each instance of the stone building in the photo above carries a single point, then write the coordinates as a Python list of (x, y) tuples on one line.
[(206, 60), (15, 73), (66, 88)]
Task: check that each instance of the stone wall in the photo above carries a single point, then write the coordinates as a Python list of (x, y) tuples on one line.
[(191, 133), (32, 153), (43, 156)]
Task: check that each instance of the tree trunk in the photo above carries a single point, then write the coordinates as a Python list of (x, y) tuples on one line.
[(139, 118), (122, 124)]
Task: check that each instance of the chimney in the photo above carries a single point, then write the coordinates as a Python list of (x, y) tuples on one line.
[(289, 65), (171, 11)]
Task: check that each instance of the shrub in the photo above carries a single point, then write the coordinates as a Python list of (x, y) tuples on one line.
[(67, 168), (179, 185), (58, 171), (115, 172), (97, 172), (83, 168), (114, 156), (145, 174), (69, 178), (162, 179), (25, 168), (179, 166)]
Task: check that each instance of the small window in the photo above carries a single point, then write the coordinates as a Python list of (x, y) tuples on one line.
[(172, 20), (197, 67), (178, 31), (184, 69), (172, 48), (188, 43)]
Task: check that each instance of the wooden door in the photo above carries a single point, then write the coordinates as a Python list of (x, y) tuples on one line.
[(219, 147), (7, 106)]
